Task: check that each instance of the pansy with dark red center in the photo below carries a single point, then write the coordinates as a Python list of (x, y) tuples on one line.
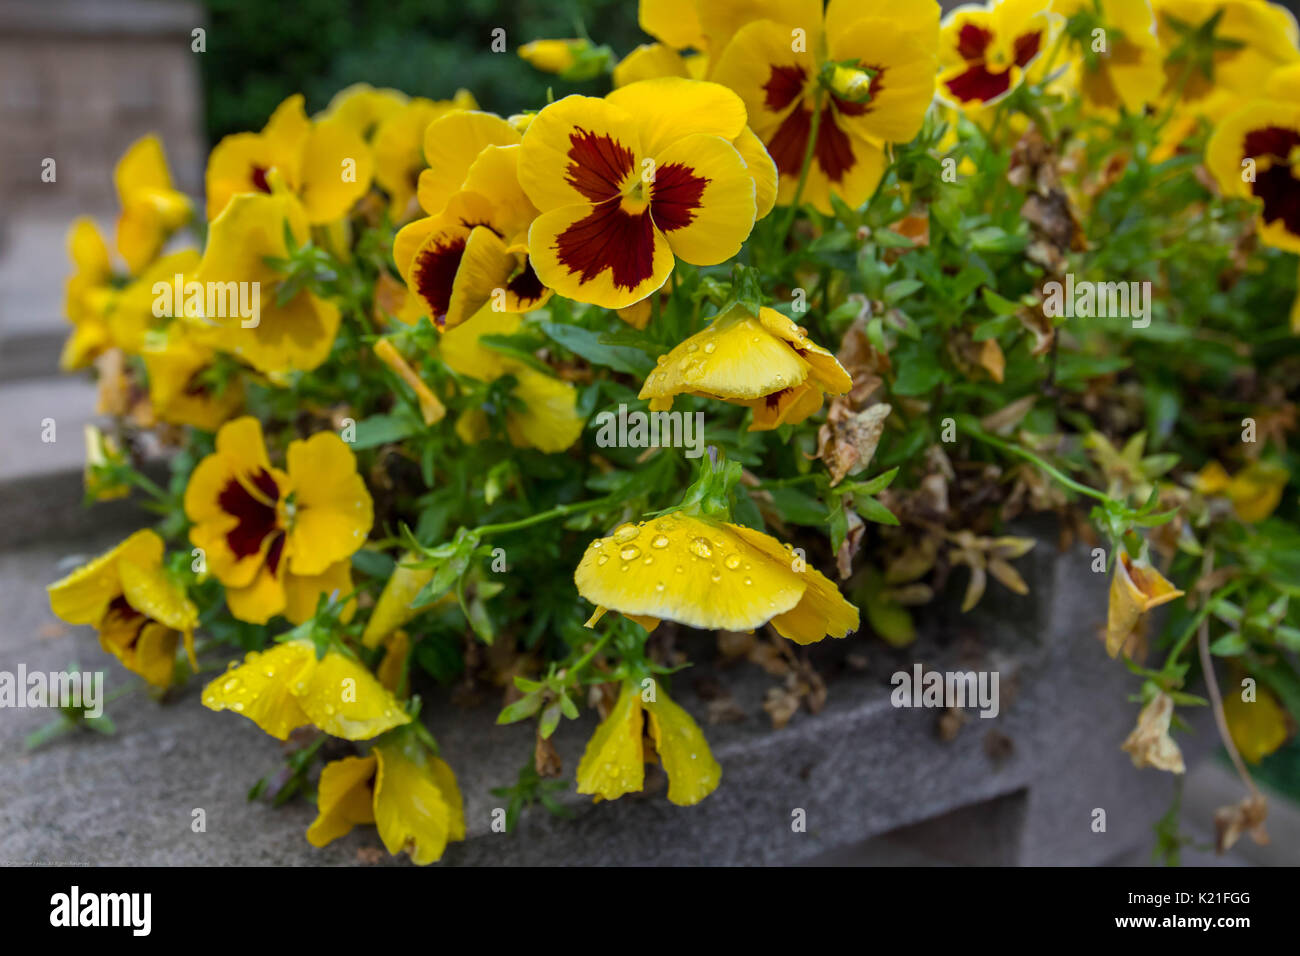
[(1255, 153), (278, 539), (474, 252), (866, 76), (628, 184), (984, 52)]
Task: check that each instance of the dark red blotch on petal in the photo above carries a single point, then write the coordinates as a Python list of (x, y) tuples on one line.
[(255, 518), (1277, 186), (675, 196), (611, 238), (525, 284), (435, 273), (972, 41), (979, 83), (834, 152), (784, 84), (599, 164), (259, 179), (1026, 47)]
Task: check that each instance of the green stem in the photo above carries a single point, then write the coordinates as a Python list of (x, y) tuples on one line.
[(582, 661), (809, 149), (1029, 456), (1201, 615), (559, 511)]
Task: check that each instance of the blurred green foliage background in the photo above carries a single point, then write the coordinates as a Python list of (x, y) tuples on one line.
[(258, 52)]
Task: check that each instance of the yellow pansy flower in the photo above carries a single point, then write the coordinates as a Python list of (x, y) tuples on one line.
[(175, 363), (288, 686), (326, 164), (614, 761), (451, 144), (410, 794), (547, 417), (276, 539), (474, 253), (140, 615), (88, 296), (628, 184), (152, 208), (1127, 72), (137, 311), (362, 107), (884, 54), (650, 61), (1135, 588), (712, 575), (1255, 491), (1220, 52), (985, 51), (765, 362), (399, 148), (1258, 727), (295, 336)]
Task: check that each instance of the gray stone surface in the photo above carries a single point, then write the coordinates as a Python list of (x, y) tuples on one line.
[(876, 783)]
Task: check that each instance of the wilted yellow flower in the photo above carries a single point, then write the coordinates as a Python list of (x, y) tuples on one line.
[(396, 604), (765, 362), (152, 208), (141, 616), (410, 794), (1136, 588), (102, 451), (1149, 744), (326, 164), (711, 575), (278, 540), (614, 761), (431, 408)]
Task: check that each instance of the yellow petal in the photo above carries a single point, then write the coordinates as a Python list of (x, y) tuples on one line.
[(549, 420), (84, 595), (822, 609), (1258, 727), (411, 810), (151, 592), (671, 108), (647, 62), (693, 774), (701, 573), (334, 510), (396, 604), (675, 22), (341, 697), (396, 651), (451, 144), (336, 171), (303, 592), (614, 762), (579, 149), (761, 168), (702, 199), (261, 688), (1136, 588), (344, 799)]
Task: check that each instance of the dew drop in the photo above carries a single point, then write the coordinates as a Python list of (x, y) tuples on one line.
[(660, 586), (701, 547), (625, 533), (716, 576), (660, 541), (630, 552), (732, 562), (230, 685), (709, 348), (749, 581), (602, 559)]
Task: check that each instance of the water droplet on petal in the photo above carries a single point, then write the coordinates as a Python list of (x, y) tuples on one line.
[(709, 348), (749, 580), (701, 547), (625, 533), (732, 562), (630, 552), (660, 541), (602, 559)]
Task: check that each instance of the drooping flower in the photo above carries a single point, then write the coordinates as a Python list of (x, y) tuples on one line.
[(88, 297), (614, 761), (475, 251), (712, 575), (152, 208), (409, 793), (1255, 491), (294, 336), (140, 614), (396, 604), (765, 362), (326, 164), (398, 147), (1150, 745), (278, 540), (985, 51), (864, 76), (1126, 70), (1220, 52), (627, 184), (1136, 588), (544, 412), (289, 686), (103, 456)]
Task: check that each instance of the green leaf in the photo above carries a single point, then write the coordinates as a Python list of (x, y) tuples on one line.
[(584, 342), (872, 510)]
